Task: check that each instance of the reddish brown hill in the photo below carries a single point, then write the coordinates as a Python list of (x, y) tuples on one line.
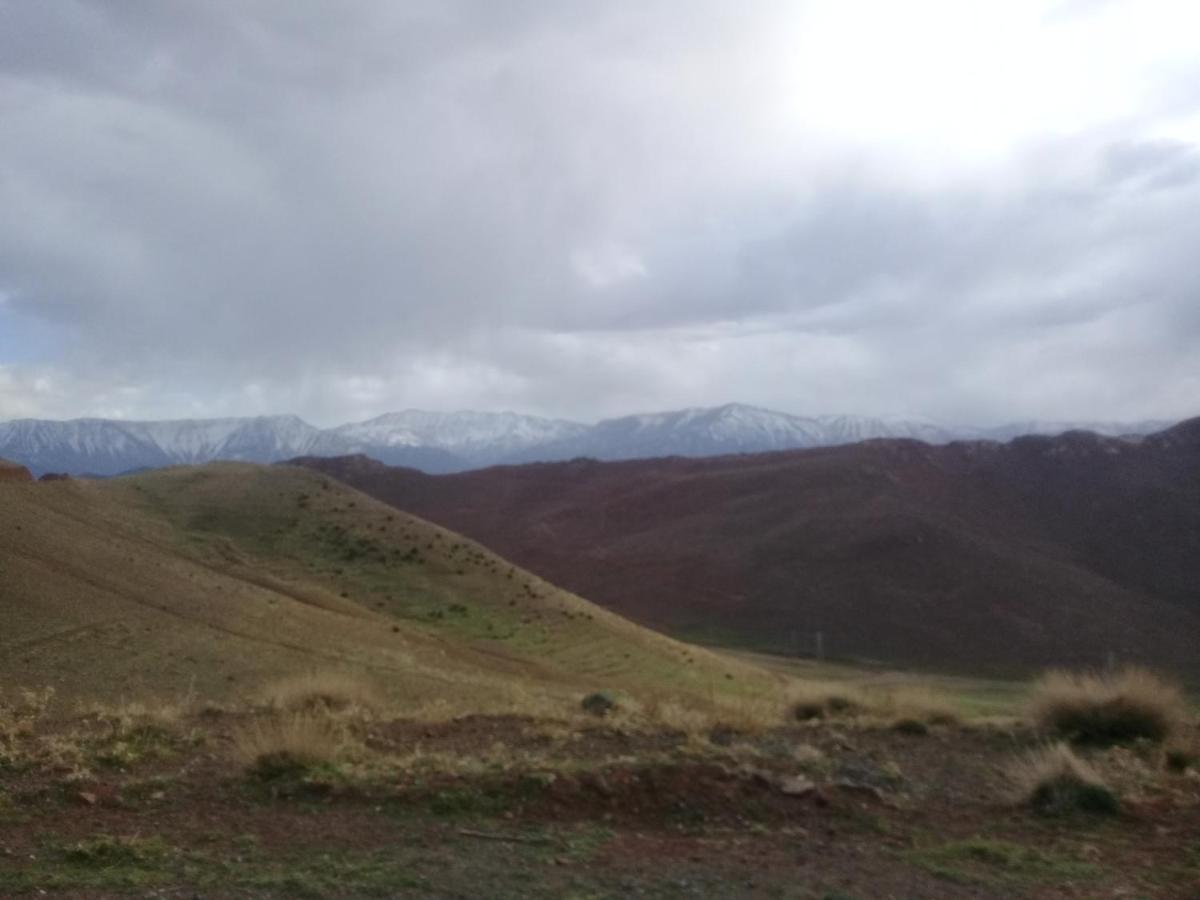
[(974, 555), (12, 472)]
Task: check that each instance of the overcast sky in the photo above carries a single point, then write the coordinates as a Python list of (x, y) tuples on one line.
[(974, 212)]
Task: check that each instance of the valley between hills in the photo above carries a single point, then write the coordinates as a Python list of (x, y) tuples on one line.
[(237, 680)]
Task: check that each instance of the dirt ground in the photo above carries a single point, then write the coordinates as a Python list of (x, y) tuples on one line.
[(509, 807)]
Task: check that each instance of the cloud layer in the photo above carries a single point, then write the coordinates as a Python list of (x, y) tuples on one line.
[(590, 209)]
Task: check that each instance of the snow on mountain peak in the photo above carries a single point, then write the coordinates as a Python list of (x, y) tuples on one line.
[(452, 441)]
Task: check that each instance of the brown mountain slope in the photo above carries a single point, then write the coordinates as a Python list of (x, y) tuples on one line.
[(981, 556)]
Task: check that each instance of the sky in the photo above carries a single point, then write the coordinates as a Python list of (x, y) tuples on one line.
[(969, 212)]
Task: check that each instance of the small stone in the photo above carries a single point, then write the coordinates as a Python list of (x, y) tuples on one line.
[(87, 798), (796, 786)]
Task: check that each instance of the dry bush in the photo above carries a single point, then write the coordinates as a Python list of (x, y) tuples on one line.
[(332, 691), (809, 702), (289, 744), (1053, 780), (1110, 708)]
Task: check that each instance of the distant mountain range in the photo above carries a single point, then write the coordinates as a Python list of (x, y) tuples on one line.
[(454, 442)]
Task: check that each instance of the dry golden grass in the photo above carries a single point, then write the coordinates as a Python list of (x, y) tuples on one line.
[(122, 716), (290, 743), (1053, 780), (1108, 708), (329, 690), (121, 579)]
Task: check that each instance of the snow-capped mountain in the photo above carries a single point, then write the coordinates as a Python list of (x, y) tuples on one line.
[(733, 428), (108, 447), (451, 442), (433, 442), (477, 437)]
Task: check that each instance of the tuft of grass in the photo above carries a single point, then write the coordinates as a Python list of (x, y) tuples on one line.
[(815, 702), (910, 726), (287, 746), (599, 704), (1106, 709), (892, 704), (1054, 781), (323, 691)]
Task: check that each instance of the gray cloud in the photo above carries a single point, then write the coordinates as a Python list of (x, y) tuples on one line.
[(579, 210)]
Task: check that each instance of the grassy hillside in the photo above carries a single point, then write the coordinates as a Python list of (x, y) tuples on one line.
[(212, 580)]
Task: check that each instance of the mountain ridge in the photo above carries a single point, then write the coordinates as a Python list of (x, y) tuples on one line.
[(1005, 557), (440, 443)]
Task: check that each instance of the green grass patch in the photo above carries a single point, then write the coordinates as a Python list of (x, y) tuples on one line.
[(131, 746), (998, 863), (484, 799)]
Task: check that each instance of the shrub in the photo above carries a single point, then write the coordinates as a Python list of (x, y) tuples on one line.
[(1106, 709), (286, 746), (825, 703), (889, 703), (910, 726), (599, 704), (1054, 781), (322, 691)]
